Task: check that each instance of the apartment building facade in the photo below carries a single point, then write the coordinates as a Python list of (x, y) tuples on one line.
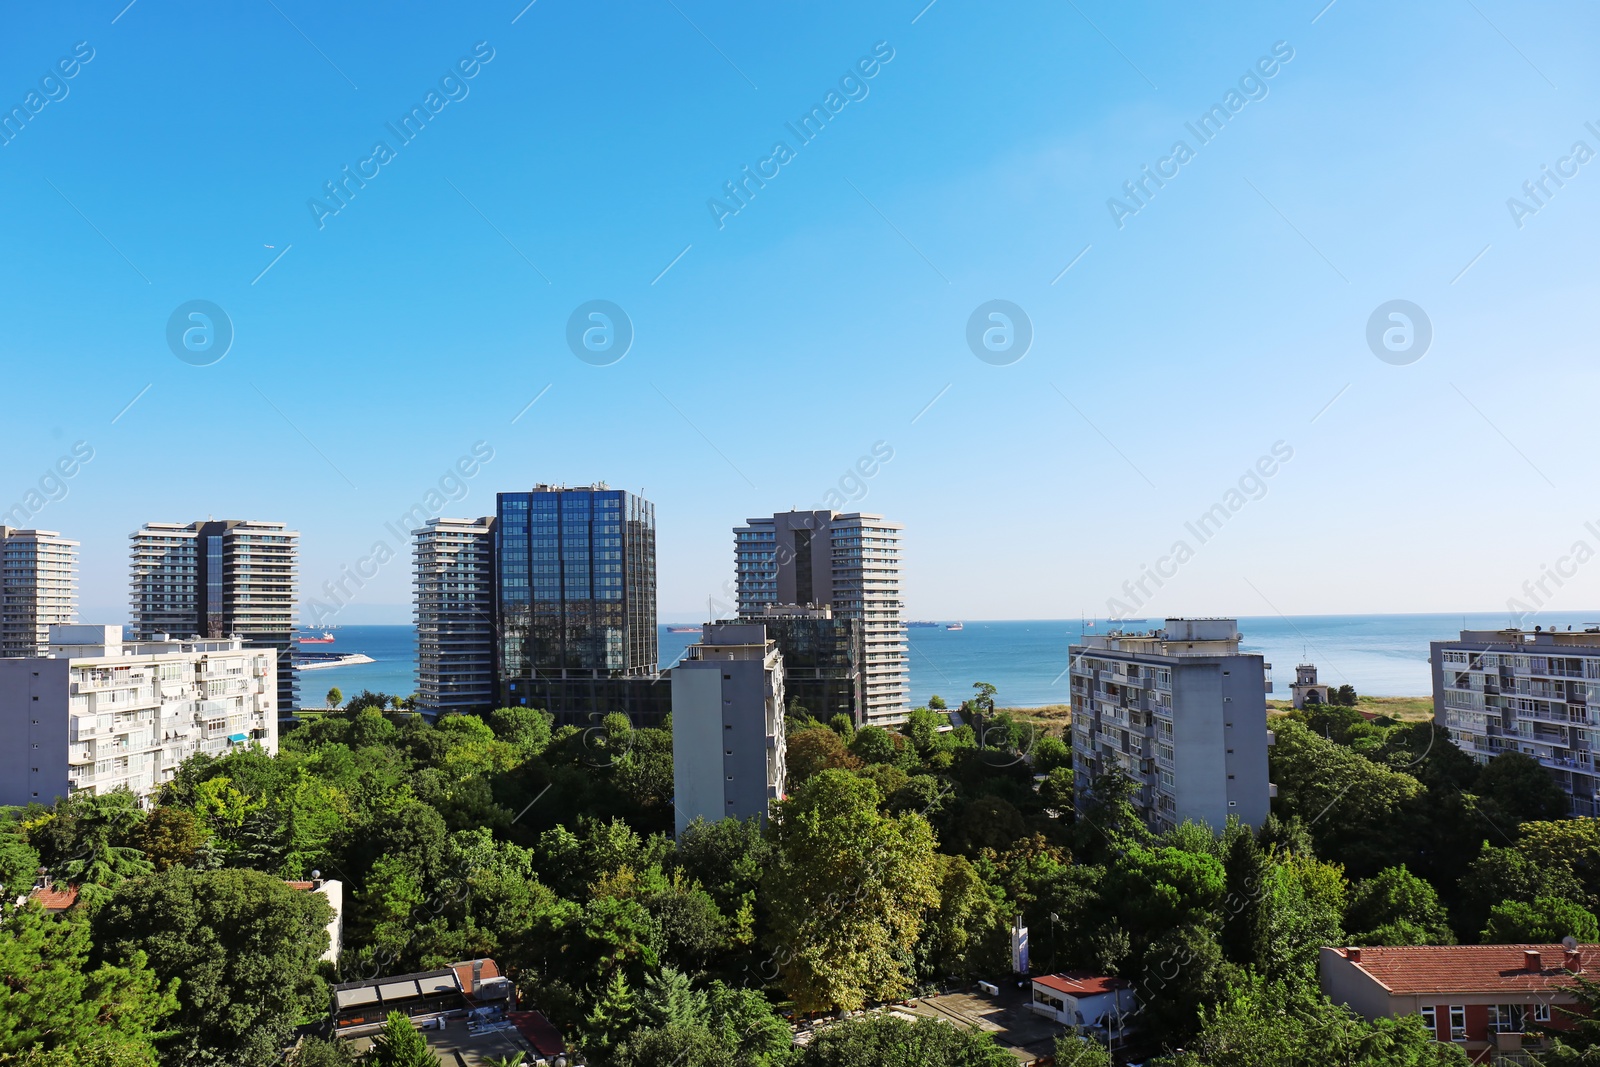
[(849, 562), (1535, 692), (1179, 711), (219, 578), (454, 611), (728, 747), (38, 588), (98, 712), (1497, 1003)]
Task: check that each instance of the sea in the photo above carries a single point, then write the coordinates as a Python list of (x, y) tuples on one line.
[(1026, 660)]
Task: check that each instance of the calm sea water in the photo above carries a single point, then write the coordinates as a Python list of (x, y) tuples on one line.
[(1381, 655)]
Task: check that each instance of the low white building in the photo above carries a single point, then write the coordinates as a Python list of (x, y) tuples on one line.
[(98, 712), (331, 890), (1097, 1003)]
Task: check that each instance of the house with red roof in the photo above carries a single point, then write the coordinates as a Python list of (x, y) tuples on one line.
[(54, 898), (1080, 999), (1488, 999)]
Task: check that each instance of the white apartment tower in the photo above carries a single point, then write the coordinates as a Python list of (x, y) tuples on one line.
[(454, 591), (1519, 691), (728, 749), (1180, 711), (219, 578), (97, 713), (850, 562), (38, 588)]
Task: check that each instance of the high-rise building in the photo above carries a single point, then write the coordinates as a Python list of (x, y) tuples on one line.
[(454, 592), (38, 588), (1518, 691), (727, 725), (575, 608), (98, 713), (219, 578), (851, 563), (1180, 711), (821, 659)]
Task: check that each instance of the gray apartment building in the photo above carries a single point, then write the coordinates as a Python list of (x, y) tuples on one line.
[(216, 578), (727, 725), (851, 564), (38, 588), (1524, 691), (1180, 711)]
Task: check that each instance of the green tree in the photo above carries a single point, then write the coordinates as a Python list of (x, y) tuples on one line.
[(1050, 753), (244, 945), (1345, 696), (1354, 808), (1544, 921), (936, 703), (670, 999), (1506, 874), (814, 750), (874, 744), (888, 1041), (527, 728), (1395, 907), (1072, 1051), (400, 1045), (1301, 908), (612, 1016), (53, 1002), (334, 698), (1514, 789), (968, 934), (170, 837), (847, 892), (318, 1052), (1260, 1024)]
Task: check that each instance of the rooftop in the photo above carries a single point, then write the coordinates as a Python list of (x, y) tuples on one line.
[(52, 898), (1080, 983), (1467, 968)]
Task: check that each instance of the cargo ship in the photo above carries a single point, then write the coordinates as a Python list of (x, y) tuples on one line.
[(325, 639)]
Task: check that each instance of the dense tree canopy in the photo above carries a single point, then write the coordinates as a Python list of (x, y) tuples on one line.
[(898, 862)]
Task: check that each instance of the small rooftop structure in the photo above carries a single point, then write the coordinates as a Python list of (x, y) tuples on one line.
[(456, 989), (53, 898), (1177, 637), (1097, 1003)]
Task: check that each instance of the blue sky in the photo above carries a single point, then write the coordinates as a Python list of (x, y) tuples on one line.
[(1230, 313)]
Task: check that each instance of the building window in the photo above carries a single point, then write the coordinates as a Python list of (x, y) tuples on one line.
[(1458, 1022), (1541, 1013), (1506, 1018), (1430, 1016)]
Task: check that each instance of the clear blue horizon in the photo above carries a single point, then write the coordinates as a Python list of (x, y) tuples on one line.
[(1217, 410), (1380, 655)]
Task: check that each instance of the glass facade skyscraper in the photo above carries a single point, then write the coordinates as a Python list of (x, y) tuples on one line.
[(576, 586)]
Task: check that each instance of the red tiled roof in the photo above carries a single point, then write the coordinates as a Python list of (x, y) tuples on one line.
[(1417, 969), (54, 899), (301, 885), (464, 971), (1080, 983), (544, 1038)]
